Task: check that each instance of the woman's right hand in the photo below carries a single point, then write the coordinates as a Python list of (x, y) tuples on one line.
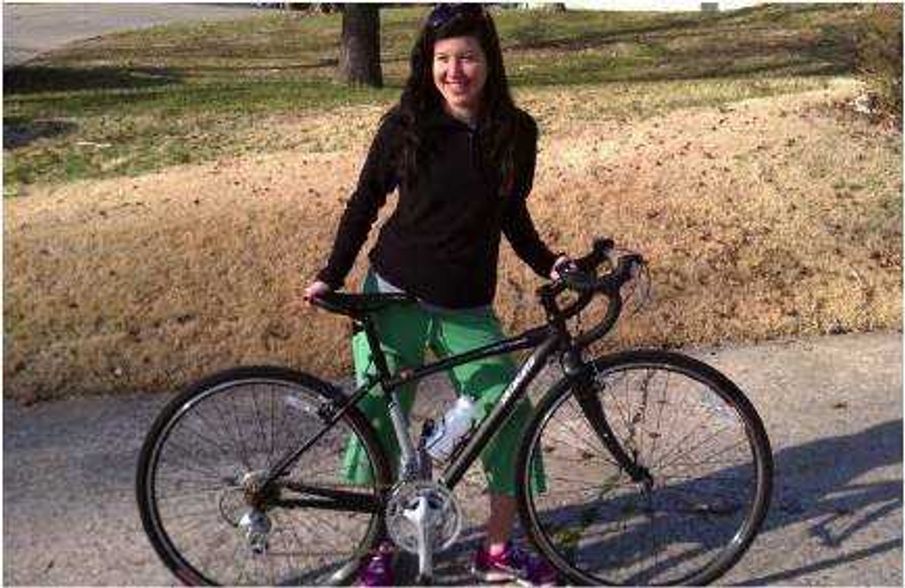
[(315, 289)]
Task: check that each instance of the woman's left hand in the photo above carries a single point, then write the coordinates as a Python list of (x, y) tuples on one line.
[(563, 262)]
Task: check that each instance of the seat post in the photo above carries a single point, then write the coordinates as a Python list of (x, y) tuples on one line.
[(380, 360), (409, 464)]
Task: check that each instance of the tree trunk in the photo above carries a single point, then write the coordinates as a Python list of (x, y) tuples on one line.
[(359, 52)]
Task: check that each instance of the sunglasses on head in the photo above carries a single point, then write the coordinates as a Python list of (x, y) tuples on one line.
[(444, 13)]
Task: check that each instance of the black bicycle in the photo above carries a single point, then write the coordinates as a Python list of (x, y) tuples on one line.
[(657, 468)]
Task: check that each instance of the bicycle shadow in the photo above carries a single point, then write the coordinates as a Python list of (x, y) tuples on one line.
[(814, 484)]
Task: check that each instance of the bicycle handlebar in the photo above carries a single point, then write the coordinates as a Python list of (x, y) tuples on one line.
[(587, 284), (583, 280)]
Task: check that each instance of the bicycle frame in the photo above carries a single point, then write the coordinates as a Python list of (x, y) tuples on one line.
[(546, 339)]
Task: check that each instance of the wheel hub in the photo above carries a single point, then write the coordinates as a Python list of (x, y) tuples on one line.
[(644, 480)]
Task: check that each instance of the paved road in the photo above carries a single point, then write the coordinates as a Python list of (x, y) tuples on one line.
[(32, 29), (832, 406)]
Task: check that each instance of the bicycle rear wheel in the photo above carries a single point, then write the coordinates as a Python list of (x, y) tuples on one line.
[(699, 494), (212, 444)]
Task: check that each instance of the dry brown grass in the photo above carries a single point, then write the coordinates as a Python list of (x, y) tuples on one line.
[(767, 218)]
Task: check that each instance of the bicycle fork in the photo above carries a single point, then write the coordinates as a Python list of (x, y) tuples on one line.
[(592, 409)]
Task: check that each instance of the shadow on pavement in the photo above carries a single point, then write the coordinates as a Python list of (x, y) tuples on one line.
[(814, 483)]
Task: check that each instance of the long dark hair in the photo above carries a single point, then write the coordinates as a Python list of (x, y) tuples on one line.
[(420, 99)]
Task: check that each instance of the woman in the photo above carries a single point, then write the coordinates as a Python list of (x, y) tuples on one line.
[(462, 157)]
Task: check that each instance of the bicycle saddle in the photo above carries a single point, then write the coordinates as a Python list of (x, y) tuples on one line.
[(359, 305)]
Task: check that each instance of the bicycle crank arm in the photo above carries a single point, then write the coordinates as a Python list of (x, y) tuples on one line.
[(422, 518)]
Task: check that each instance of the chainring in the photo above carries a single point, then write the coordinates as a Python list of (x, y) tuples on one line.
[(446, 515)]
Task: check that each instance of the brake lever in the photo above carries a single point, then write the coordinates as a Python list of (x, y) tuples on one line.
[(578, 280), (627, 268)]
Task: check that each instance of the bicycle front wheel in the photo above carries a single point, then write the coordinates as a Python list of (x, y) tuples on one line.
[(658, 471), (200, 472)]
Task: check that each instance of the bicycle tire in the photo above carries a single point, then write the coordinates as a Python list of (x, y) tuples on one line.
[(685, 527), (196, 456)]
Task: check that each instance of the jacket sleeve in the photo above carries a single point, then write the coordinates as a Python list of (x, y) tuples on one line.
[(517, 224), (377, 179)]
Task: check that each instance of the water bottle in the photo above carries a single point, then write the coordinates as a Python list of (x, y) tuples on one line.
[(447, 433)]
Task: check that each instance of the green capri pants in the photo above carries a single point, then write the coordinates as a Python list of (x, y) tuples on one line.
[(405, 332)]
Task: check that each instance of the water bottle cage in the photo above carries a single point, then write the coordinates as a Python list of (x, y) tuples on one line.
[(457, 448), (437, 429), (461, 443), (447, 434)]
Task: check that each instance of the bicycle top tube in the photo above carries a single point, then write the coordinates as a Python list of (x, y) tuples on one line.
[(582, 279)]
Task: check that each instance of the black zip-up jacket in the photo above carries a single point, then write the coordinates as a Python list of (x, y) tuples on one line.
[(442, 241)]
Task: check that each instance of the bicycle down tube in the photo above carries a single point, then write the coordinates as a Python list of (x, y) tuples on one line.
[(532, 365), (544, 339), (390, 382)]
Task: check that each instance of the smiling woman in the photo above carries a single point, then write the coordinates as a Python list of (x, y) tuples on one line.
[(460, 72), (462, 157)]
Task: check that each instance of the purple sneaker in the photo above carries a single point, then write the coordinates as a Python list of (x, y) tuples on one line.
[(378, 567), (512, 565)]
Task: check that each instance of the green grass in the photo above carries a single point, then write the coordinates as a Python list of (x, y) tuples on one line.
[(138, 101)]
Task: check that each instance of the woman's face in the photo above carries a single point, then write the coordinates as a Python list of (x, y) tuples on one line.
[(460, 71)]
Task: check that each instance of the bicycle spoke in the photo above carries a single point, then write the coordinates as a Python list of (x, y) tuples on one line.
[(710, 458), (205, 471), (235, 439), (684, 444), (587, 458), (664, 528), (578, 417), (708, 477), (238, 429), (199, 415), (639, 418), (687, 450), (191, 492), (586, 486), (585, 450), (660, 425), (691, 427), (240, 435), (219, 540), (191, 456), (622, 411), (724, 493), (261, 434)]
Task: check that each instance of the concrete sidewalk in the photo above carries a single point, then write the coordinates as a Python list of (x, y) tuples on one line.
[(832, 407)]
